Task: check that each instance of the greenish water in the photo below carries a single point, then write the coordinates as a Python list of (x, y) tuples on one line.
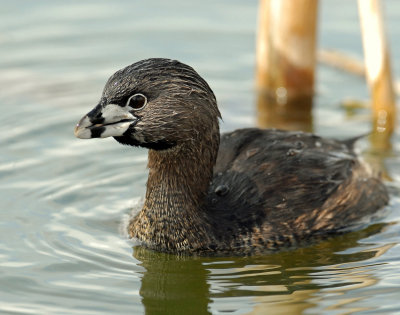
[(63, 199)]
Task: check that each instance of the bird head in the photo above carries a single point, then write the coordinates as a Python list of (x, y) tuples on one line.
[(154, 103)]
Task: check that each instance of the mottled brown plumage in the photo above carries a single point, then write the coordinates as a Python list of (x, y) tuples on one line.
[(250, 192)]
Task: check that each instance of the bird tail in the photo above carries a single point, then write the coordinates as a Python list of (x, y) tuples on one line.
[(349, 143)]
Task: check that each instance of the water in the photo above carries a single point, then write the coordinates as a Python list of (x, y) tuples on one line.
[(63, 199)]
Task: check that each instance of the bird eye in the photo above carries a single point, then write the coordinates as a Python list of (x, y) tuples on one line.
[(137, 101)]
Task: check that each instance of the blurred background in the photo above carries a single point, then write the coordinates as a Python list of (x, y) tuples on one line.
[(63, 199)]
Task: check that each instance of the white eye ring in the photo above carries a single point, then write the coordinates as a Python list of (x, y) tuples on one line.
[(137, 101)]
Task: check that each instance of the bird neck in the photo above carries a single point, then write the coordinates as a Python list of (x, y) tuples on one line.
[(172, 217), (178, 176)]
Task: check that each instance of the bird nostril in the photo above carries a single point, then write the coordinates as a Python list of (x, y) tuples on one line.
[(97, 120), (95, 115)]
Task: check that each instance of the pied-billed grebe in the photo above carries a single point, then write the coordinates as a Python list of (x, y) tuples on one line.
[(249, 191)]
